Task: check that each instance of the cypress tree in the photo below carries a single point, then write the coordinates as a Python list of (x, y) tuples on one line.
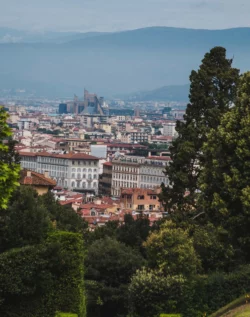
[(212, 92)]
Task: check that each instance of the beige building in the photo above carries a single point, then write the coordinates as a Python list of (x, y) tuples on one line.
[(138, 172), (42, 183)]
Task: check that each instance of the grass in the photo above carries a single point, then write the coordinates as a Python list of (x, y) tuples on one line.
[(237, 308)]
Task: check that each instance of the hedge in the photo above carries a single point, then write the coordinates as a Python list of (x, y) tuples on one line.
[(170, 315), (195, 297), (209, 293), (38, 281), (66, 315)]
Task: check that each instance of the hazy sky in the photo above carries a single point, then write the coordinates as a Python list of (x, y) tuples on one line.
[(110, 15)]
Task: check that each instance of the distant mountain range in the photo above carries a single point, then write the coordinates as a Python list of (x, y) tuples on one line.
[(61, 64), (177, 93)]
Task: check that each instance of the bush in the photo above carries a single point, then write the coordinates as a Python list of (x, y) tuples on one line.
[(66, 315), (209, 293), (151, 293), (38, 281)]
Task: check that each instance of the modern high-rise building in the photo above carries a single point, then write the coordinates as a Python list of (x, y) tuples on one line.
[(63, 108)]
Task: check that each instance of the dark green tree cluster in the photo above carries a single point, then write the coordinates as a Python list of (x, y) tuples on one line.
[(41, 257), (212, 91)]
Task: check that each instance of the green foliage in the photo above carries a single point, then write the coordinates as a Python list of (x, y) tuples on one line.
[(170, 315), (29, 218), (171, 251), (236, 303), (150, 293), (225, 178), (109, 266), (63, 217), (212, 90), (25, 221), (213, 246), (9, 168), (37, 281), (209, 293), (66, 315), (134, 232)]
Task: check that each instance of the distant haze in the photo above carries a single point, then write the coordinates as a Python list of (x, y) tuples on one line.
[(58, 64), (116, 15)]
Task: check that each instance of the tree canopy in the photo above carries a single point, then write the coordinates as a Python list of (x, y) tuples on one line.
[(9, 168), (212, 91)]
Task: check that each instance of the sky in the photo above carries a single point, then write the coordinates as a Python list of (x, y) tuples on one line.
[(117, 15)]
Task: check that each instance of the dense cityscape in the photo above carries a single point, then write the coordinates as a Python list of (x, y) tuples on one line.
[(97, 152), (124, 158)]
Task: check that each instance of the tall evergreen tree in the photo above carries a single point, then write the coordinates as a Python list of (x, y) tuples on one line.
[(225, 178), (212, 91)]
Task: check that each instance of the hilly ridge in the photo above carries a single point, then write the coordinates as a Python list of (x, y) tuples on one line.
[(115, 63)]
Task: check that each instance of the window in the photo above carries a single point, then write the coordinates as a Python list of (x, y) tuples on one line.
[(73, 162), (140, 197), (78, 175), (89, 176), (73, 184), (73, 170), (151, 207), (94, 184), (73, 175), (140, 207), (90, 170), (83, 185), (78, 170)]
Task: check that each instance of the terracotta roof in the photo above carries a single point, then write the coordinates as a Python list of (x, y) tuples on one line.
[(159, 158), (107, 164), (138, 191), (125, 145), (69, 156), (35, 178)]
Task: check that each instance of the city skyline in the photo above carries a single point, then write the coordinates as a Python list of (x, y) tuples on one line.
[(116, 15)]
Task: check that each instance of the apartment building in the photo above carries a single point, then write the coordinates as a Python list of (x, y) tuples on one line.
[(106, 179), (138, 172), (140, 199), (75, 171), (169, 129), (135, 137)]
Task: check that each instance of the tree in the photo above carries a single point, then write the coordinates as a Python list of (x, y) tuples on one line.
[(225, 178), (212, 91), (134, 231), (109, 266), (171, 251), (9, 168), (63, 217), (25, 221), (151, 293)]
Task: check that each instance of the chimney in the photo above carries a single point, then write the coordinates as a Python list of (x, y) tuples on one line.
[(46, 174), (28, 173)]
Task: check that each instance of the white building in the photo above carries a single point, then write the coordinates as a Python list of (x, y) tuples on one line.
[(169, 129), (73, 171), (138, 172)]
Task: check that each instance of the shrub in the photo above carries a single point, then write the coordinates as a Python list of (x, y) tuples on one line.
[(66, 315), (38, 281)]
